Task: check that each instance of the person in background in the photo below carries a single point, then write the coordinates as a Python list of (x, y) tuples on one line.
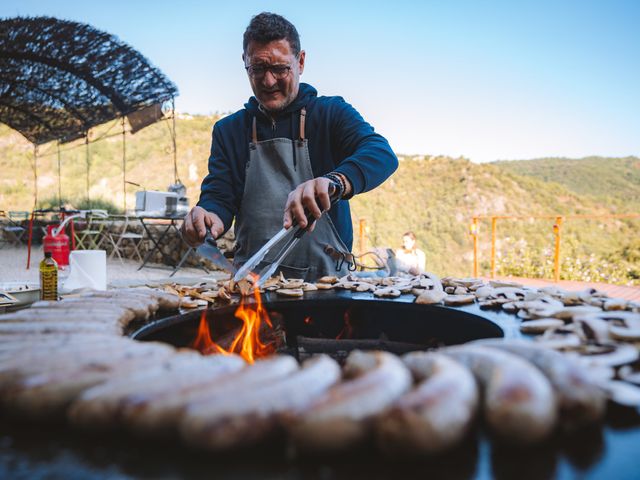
[(410, 258), (279, 155)]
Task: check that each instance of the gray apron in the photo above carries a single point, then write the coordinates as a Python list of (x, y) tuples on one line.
[(275, 168)]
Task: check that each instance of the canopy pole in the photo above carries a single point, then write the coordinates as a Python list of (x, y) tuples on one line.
[(88, 162), (124, 167), (59, 177), (35, 177), (173, 139)]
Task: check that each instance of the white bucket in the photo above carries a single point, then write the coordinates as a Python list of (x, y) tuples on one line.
[(88, 270)]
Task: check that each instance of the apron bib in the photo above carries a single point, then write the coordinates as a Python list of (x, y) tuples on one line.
[(275, 168)]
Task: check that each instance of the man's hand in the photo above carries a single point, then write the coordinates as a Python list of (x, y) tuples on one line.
[(197, 222), (312, 195)]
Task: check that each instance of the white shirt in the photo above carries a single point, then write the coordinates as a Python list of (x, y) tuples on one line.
[(414, 259)]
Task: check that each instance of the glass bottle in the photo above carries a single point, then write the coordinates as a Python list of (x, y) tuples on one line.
[(48, 278)]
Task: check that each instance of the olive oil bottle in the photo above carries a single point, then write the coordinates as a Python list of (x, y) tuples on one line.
[(48, 278)]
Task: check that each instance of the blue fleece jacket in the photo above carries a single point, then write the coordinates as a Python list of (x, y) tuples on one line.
[(339, 140)]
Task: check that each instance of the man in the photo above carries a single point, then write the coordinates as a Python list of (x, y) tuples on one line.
[(410, 258), (279, 155)]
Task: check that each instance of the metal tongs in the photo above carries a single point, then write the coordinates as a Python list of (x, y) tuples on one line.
[(290, 237)]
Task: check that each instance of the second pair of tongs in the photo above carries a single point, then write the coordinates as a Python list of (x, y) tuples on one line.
[(292, 235)]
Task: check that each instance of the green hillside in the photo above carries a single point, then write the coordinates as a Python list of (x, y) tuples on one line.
[(149, 156), (613, 180), (436, 197)]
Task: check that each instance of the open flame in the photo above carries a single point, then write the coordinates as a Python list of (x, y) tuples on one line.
[(247, 342), (203, 342)]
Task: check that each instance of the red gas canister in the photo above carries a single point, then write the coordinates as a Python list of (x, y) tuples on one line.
[(58, 245)]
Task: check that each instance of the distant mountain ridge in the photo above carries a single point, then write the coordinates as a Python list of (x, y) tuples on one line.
[(612, 178)]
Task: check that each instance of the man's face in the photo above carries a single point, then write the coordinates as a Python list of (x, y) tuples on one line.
[(408, 243), (275, 88)]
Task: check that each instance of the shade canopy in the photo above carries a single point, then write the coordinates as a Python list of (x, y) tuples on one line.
[(60, 78)]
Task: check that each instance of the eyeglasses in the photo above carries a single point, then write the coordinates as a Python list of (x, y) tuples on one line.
[(259, 71)]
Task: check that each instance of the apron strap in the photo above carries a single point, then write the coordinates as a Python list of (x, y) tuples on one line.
[(303, 116)]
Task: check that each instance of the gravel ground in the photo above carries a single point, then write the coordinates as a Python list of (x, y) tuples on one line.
[(13, 261)]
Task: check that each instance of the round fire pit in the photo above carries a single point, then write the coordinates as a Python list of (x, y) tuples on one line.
[(336, 324), (332, 322)]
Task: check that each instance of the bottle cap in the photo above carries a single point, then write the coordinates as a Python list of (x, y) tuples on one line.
[(47, 254)]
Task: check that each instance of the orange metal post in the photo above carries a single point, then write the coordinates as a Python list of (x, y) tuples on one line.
[(362, 237), (556, 256), (494, 221), (474, 233), (557, 230)]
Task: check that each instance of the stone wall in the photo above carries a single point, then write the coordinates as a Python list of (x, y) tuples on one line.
[(172, 244)]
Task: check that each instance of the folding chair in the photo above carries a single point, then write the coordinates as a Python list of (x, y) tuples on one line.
[(125, 234), (12, 232), (4, 220), (92, 236)]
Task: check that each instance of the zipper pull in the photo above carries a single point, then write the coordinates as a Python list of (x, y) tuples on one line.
[(268, 115)]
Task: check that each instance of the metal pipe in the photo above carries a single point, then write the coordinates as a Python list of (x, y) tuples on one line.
[(88, 162), (173, 139), (59, 177), (29, 239), (124, 167), (81, 214), (35, 177)]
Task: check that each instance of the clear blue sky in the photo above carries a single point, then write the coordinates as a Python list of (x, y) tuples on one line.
[(484, 79)]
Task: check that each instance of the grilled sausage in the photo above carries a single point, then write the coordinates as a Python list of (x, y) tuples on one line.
[(83, 311), (166, 300), (36, 343), (46, 395), (436, 414), (118, 321), (141, 308), (22, 351), (343, 417), (123, 297), (54, 326), (101, 406), (247, 418), (519, 402), (43, 360), (159, 414), (581, 401)]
